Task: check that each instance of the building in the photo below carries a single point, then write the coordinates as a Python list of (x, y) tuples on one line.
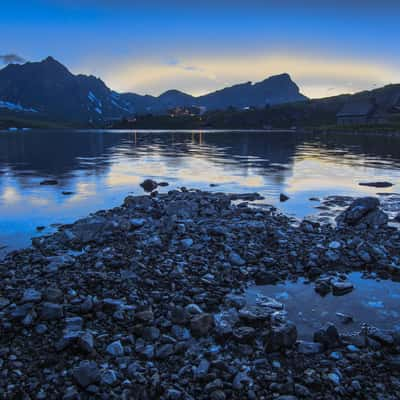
[(357, 113)]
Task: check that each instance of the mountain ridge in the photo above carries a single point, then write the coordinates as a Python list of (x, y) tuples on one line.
[(48, 88)]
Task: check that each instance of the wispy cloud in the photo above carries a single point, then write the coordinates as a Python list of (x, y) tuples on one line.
[(11, 59)]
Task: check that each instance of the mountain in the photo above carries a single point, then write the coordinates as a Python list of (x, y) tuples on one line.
[(277, 89), (48, 89)]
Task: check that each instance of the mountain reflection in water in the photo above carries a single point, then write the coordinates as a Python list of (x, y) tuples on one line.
[(100, 168)]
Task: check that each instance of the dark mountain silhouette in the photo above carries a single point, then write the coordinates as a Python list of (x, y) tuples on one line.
[(49, 89)]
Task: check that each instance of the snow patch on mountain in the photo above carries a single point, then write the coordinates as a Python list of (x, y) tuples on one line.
[(15, 107)]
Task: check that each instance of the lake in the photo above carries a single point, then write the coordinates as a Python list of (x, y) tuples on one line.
[(99, 169)]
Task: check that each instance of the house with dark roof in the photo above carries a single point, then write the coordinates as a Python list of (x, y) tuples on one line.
[(361, 112)]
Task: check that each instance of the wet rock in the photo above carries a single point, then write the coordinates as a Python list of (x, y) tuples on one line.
[(283, 198), (364, 211), (255, 314), (340, 288), (149, 185), (345, 318), (305, 347), (282, 337), (377, 184), (49, 182), (86, 373), (323, 287), (328, 336)]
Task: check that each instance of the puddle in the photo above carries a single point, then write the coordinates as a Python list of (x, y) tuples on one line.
[(376, 303)]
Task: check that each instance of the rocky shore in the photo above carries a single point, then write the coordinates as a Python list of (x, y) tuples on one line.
[(146, 301)]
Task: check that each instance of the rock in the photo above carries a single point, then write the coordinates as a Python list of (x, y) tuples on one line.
[(363, 211), (241, 379), (149, 185), (302, 391), (340, 288), (31, 296), (256, 314), (86, 373), (53, 295), (328, 336), (235, 259), (51, 311), (202, 324), (266, 278), (304, 347), (244, 334), (377, 184), (187, 243), (334, 378), (137, 222), (49, 182), (202, 369), (382, 336), (218, 395), (345, 318), (282, 337), (322, 287), (164, 351), (86, 342), (109, 377), (283, 198), (115, 349), (173, 394)]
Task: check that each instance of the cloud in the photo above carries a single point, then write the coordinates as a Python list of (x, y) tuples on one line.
[(11, 59), (316, 74)]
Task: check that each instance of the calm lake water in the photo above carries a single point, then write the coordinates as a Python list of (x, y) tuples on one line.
[(372, 303), (101, 167)]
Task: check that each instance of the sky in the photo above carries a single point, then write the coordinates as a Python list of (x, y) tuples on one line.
[(328, 47)]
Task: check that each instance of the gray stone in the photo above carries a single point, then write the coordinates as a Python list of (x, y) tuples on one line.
[(282, 337), (86, 373), (202, 324), (304, 347), (115, 349), (51, 311), (328, 336), (109, 377), (31, 296)]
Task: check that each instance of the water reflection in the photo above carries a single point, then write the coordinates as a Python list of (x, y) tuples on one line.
[(369, 303), (101, 168)]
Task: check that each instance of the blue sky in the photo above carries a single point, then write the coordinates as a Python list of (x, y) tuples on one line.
[(150, 46)]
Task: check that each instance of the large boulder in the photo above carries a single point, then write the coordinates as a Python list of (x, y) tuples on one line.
[(363, 211)]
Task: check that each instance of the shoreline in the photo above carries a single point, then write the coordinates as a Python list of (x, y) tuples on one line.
[(147, 300)]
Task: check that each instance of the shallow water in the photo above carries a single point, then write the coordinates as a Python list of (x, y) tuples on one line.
[(101, 167), (371, 302)]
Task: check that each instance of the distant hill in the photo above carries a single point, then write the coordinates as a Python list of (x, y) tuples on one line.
[(47, 89)]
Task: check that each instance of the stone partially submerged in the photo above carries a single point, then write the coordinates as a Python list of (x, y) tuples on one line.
[(363, 212)]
